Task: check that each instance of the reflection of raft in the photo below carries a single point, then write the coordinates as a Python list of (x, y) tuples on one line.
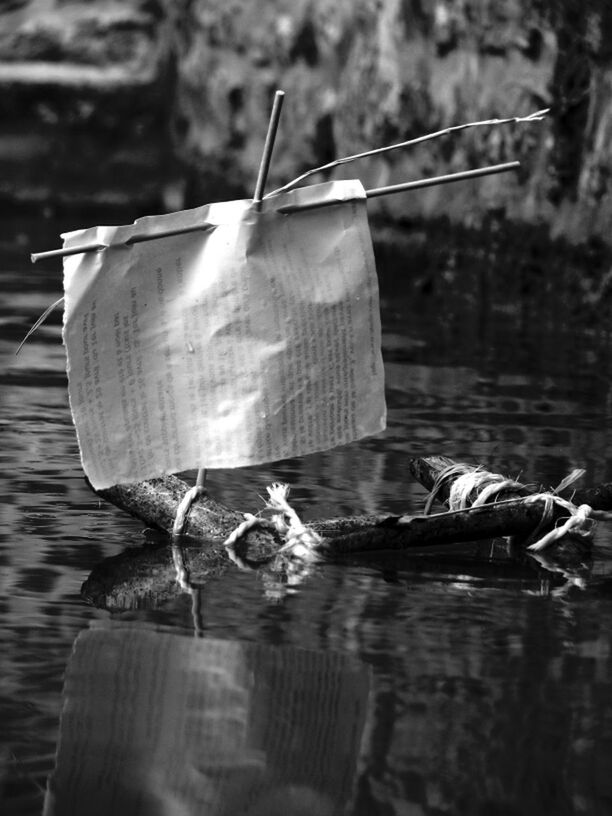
[(156, 723)]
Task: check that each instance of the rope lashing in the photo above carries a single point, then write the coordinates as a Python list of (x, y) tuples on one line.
[(451, 472), (249, 523), (300, 541), (489, 485), (243, 528), (469, 480), (182, 511), (474, 487), (580, 521)]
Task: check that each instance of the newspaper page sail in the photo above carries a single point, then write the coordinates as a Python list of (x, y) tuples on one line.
[(251, 338)]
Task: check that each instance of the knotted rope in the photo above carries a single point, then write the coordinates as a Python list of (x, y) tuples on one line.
[(579, 522), (182, 511), (300, 541), (474, 487), (178, 556)]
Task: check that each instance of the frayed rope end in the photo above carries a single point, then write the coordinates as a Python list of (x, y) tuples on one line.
[(301, 542)]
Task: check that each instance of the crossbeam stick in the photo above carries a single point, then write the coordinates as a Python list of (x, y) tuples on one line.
[(406, 186), (373, 193)]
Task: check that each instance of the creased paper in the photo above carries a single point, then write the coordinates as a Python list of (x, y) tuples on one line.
[(253, 338)]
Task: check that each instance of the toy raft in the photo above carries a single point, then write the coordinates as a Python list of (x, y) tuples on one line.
[(235, 334)]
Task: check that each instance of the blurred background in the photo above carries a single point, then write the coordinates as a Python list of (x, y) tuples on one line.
[(159, 104)]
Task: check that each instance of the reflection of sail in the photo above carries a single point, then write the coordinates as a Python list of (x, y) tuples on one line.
[(155, 723)]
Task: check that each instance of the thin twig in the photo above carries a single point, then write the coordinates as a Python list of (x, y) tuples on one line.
[(533, 117)]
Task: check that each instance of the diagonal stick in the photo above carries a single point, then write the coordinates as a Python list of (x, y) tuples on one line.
[(533, 117), (262, 175)]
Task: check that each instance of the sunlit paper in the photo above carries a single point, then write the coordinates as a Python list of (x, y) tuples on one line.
[(253, 339)]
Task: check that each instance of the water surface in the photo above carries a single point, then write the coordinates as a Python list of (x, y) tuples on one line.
[(460, 683)]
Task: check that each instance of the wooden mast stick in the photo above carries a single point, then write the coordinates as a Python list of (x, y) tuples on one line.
[(377, 191), (266, 157), (262, 175)]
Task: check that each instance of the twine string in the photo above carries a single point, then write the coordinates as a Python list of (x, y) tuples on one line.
[(301, 542), (182, 511), (474, 487)]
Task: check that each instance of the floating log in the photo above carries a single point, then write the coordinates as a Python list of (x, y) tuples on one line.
[(155, 503)]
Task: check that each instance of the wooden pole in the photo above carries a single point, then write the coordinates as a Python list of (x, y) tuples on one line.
[(447, 179), (377, 191), (406, 186), (266, 157), (260, 184)]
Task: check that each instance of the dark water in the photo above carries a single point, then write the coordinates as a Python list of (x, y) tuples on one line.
[(463, 683)]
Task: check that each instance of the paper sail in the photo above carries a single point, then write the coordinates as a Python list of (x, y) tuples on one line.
[(254, 338), (157, 724)]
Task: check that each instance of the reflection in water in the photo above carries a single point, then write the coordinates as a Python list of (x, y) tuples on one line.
[(498, 722), (148, 578), (489, 695), (155, 723)]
